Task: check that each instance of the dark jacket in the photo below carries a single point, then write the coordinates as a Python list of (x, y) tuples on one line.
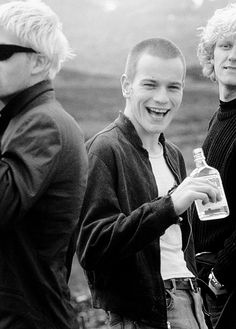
[(43, 170), (121, 221)]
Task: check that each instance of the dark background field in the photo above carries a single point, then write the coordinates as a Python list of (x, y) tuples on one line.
[(95, 100)]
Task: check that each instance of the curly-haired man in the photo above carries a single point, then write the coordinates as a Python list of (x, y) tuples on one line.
[(217, 55)]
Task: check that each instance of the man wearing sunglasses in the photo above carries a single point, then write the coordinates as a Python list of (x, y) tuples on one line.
[(43, 172)]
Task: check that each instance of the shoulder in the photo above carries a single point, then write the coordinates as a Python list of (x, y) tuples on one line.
[(213, 119), (55, 113), (107, 148), (53, 116), (47, 123), (104, 141)]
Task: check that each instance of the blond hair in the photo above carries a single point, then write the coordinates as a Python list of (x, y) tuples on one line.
[(38, 27), (220, 25)]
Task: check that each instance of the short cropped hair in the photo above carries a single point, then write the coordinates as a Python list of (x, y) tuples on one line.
[(158, 47), (221, 24), (38, 27)]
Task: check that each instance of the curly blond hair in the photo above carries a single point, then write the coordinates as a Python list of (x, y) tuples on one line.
[(220, 25)]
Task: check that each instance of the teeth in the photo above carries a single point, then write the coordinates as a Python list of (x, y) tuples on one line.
[(158, 110)]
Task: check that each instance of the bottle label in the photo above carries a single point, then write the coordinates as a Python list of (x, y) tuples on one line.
[(216, 181)]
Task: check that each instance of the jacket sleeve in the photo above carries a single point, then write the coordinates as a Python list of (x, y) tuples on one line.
[(107, 234), (29, 153)]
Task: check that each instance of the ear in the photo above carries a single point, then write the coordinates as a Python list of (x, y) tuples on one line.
[(40, 64), (126, 86)]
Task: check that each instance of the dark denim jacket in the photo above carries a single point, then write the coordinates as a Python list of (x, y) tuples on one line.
[(121, 222), (43, 170)]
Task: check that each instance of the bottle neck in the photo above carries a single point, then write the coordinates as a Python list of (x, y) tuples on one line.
[(200, 163)]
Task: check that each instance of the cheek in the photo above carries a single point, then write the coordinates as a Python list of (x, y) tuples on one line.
[(177, 100), (218, 60), (136, 99), (8, 75), (22, 74)]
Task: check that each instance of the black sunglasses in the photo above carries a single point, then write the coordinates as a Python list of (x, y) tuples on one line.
[(6, 51)]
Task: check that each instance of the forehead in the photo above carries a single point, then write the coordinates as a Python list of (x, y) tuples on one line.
[(231, 36), (7, 37), (153, 67)]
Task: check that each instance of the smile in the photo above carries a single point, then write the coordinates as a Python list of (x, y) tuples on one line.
[(157, 111)]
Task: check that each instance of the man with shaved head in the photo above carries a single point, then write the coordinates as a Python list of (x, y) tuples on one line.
[(135, 239)]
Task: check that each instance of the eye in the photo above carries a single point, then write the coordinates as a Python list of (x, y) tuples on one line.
[(175, 87), (225, 45), (150, 85)]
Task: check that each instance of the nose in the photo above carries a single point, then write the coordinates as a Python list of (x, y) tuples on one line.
[(161, 95), (232, 55)]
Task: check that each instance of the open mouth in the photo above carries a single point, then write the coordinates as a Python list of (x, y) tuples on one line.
[(157, 112)]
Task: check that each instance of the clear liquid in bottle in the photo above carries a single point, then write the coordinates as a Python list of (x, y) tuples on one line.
[(210, 210)]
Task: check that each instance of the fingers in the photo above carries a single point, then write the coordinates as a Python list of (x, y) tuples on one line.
[(205, 197), (192, 189), (211, 192), (207, 193), (203, 189)]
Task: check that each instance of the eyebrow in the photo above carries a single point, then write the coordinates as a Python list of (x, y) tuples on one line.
[(176, 83), (154, 81), (149, 80)]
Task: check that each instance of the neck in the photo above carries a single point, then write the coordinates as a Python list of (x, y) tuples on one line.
[(226, 93), (5, 100), (152, 145), (150, 140)]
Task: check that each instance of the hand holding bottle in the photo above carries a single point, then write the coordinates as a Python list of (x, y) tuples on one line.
[(192, 189), (209, 211)]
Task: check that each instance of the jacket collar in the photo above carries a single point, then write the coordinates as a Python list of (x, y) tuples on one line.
[(128, 129), (23, 100)]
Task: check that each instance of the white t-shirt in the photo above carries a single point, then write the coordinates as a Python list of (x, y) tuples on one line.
[(173, 264)]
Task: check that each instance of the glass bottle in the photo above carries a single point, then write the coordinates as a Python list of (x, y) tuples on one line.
[(210, 210)]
